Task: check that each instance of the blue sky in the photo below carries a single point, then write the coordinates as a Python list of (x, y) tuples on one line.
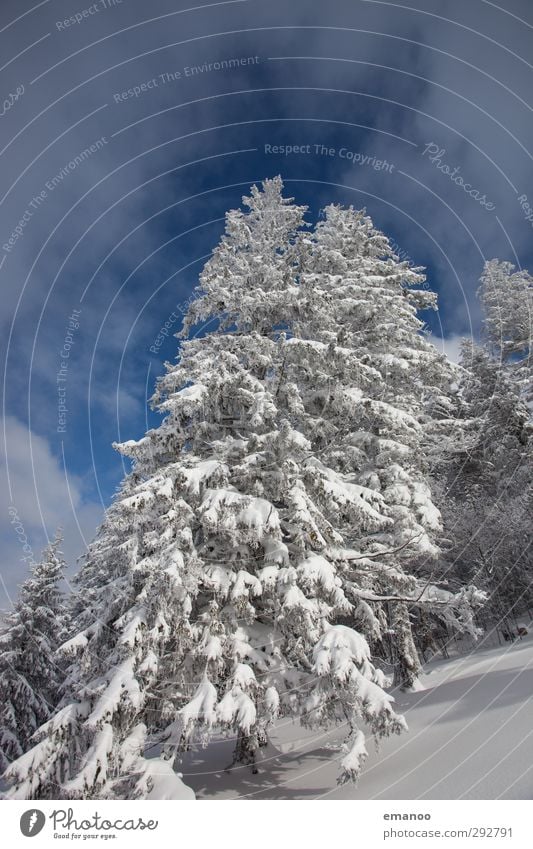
[(120, 157)]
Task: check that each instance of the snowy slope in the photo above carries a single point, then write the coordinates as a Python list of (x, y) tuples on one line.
[(470, 736)]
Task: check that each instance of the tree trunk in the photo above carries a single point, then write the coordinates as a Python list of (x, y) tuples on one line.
[(245, 751), (407, 667)]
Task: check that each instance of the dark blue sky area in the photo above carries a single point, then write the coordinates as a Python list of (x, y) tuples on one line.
[(128, 129)]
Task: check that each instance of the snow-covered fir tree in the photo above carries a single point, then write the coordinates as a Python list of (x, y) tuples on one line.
[(378, 410), (488, 475), (263, 540), (488, 483), (507, 299), (31, 677)]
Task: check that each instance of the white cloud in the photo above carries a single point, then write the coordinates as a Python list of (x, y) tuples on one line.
[(450, 345), (34, 482)]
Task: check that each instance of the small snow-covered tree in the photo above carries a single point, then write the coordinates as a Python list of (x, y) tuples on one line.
[(507, 299), (30, 675), (488, 482), (268, 524), (498, 418)]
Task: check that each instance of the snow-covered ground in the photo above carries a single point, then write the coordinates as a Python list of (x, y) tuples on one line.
[(470, 737)]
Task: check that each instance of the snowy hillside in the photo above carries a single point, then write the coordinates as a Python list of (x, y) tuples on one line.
[(470, 736)]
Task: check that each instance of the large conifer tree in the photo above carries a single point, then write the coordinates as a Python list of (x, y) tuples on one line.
[(264, 536)]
